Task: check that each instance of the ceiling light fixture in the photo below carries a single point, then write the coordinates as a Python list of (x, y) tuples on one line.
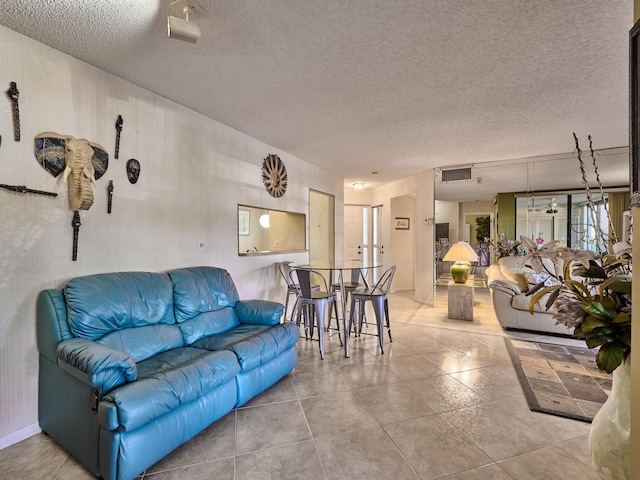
[(358, 185), (183, 29)]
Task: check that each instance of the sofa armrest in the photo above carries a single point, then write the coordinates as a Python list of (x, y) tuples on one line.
[(504, 285), (259, 312), (497, 281), (101, 367)]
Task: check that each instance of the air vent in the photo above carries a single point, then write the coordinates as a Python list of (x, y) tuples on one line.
[(456, 174)]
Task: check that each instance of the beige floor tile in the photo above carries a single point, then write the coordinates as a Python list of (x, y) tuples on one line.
[(71, 469), (486, 472), (282, 391), (215, 442), (268, 426), (412, 367), (32, 460), (493, 383), (434, 447), (299, 461), (364, 455), (550, 463), (445, 393), (504, 428), (420, 344), (337, 413), (451, 360), (579, 448), (222, 469), (368, 375), (394, 403), (322, 380)]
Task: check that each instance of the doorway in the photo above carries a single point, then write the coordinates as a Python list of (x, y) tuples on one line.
[(321, 227)]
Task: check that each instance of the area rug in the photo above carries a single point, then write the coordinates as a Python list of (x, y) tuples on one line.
[(560, 380)]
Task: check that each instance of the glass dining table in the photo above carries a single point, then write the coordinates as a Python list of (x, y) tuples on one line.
[(338, 269)]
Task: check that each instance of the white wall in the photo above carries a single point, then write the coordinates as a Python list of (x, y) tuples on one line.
[(403, 246), (194, 172), (421, 186)]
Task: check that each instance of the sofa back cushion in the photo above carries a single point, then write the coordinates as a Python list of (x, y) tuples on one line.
[(514, 269), (129, 311), (205, 300)]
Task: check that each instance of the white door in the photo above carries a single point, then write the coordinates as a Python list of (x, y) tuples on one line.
[(356, 232)]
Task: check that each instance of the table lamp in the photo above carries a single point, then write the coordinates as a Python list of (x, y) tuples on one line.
[(462, 254)]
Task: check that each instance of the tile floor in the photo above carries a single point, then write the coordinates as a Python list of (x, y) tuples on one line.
[(442, 402)]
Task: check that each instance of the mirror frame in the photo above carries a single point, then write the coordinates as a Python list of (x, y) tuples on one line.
[(247, 228)]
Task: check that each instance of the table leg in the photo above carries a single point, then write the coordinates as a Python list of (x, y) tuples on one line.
[(343, 300)]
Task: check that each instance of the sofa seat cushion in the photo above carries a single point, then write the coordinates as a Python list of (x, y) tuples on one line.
[(166, 381), (254, 345), (522, 302)]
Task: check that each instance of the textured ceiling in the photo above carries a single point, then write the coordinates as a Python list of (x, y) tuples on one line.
[(365, 86)]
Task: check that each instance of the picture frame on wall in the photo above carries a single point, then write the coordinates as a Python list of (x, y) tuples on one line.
[(244, 220), (402, 223), (634, 114)]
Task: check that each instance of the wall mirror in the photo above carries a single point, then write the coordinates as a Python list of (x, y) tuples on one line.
[(263, 231)]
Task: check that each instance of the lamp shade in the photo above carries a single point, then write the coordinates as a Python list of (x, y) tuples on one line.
[(462, 254), (461, 251)]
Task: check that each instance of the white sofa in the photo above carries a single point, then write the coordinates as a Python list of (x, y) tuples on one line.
[(508, 281)]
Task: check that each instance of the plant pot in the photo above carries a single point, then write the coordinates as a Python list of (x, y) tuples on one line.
[(609, 439)]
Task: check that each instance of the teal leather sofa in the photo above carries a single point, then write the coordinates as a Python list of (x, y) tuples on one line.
[(134, 364)]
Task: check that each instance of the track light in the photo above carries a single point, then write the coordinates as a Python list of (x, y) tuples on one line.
[(183, 29)]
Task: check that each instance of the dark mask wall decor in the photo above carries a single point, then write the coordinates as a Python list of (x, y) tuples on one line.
[(133, 170)]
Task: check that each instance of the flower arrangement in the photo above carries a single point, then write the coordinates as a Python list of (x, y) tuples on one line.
[(591, 295), (591, 291), (504, 247)]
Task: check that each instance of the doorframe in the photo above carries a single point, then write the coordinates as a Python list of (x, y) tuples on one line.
[(329, 229)]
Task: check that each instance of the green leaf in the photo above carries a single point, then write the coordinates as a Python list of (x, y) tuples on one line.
[(593, 271), (595, 341), (590, 323), (539, 294), (622, 318), (616, 284), (552, 298), (605, 309), (610, 356)]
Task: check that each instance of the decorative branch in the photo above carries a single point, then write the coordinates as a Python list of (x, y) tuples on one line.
[(587, 189), (614, 237)]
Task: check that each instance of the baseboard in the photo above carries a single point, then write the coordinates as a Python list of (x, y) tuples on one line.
[(19, 435)]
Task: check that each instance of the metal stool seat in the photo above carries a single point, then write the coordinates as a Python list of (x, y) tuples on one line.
[(313, 304), (377, 295)]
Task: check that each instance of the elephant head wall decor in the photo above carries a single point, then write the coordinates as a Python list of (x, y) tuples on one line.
[(82, 161)]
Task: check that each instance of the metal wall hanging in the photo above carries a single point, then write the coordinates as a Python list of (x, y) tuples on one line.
[(133, 170), (75, 224), (119, 122), (13, 94), (23, 189), (109, 196), (274, 175)]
